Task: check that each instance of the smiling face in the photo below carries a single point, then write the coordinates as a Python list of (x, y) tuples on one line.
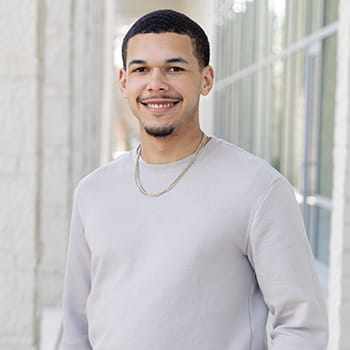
[(163, 82)]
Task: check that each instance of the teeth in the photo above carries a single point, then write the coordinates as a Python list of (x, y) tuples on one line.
[(165, 105)]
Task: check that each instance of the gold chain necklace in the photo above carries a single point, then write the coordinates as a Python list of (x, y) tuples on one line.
[(177, 179)]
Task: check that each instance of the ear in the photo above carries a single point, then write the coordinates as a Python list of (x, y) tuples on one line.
[(207, 80), (122, 82)]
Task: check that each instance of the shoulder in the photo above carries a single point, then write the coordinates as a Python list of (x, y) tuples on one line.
[(105, 175), (241, 166)]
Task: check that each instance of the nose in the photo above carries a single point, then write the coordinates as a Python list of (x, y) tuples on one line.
[(157, 81)]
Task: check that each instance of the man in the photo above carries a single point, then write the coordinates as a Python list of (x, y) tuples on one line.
[(186, 242)]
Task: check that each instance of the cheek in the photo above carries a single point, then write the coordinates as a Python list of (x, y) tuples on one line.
[(190, 85), (134, 87)]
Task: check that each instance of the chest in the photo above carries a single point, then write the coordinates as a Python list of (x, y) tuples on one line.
[(191, 226)]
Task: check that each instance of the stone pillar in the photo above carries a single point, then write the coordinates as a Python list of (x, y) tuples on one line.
[(199, 12), (20, 118), (70, 144), (55, 148), (339, 284), (110, 87), (86, 79), (50, 96)]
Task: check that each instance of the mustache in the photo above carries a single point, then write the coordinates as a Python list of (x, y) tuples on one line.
[(159, 97)]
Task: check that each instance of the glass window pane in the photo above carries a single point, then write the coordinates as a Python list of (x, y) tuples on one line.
[(330, 11), (322, 246), (266, 112), (314, 15), (327, 115)]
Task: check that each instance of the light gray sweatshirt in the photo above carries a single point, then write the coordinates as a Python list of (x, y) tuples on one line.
[(197, 268)]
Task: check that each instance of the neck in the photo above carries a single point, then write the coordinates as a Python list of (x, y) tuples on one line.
[(162, 150)]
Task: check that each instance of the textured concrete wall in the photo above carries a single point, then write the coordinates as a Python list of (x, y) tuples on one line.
[(86, 85), (71, 113), (339, 284), (199, 10), (50, 98), (19, 165), (55, 147), (109, 85)]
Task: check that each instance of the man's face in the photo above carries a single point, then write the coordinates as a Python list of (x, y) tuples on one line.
[(163, 82)]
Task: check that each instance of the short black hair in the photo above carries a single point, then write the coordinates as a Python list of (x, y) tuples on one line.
[(170, 21)]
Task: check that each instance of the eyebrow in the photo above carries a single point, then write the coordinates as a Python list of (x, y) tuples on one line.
[(177, 60), (136, 62), (170, 60)]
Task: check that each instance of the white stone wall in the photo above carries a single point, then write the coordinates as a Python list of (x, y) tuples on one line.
[(86, 78), (202, 12), (110, 84), (339, 276), (19, 165), (55, 147), (70, 126), (50, 98)]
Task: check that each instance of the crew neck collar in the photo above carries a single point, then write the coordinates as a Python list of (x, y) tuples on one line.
[(176, 163)]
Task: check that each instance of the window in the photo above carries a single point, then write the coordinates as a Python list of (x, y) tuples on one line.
[(275, 94)]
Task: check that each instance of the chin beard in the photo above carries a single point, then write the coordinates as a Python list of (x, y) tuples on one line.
[(160, 132)]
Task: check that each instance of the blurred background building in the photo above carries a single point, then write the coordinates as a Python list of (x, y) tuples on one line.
[(282, 91)]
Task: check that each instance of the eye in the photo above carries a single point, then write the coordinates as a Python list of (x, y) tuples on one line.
[(175, 69), (140, 70)]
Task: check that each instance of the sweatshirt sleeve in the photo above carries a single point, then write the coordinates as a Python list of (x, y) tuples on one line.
[(76, 286), (279, 251)]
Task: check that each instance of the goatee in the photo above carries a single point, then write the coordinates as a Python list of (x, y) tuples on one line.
[(160, 132)]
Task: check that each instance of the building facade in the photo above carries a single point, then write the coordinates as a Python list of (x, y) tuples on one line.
[(282, 93)]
